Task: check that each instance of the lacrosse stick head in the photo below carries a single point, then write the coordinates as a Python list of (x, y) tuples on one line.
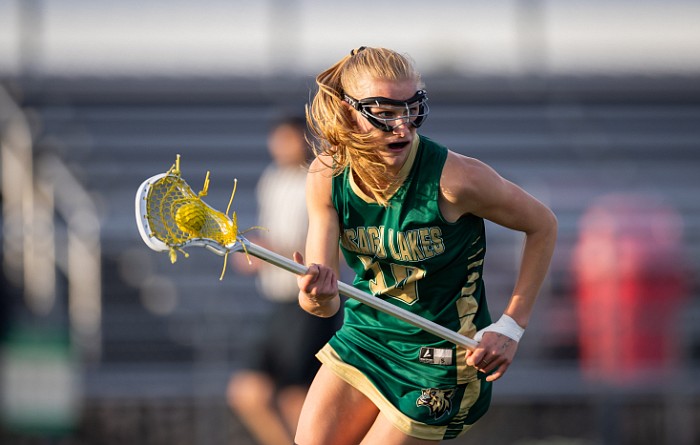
[(171, 216)]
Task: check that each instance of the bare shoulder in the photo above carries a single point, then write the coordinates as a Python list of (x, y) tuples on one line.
[(320, 170), (468, 185), (465, 180), (321, 164)]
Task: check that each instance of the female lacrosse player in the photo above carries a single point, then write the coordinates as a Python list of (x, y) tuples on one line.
[(408, 216)]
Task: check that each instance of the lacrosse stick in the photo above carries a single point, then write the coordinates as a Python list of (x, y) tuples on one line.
[(171, 218)]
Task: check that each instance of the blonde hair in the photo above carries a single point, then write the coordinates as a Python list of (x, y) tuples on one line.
[(333, 124)]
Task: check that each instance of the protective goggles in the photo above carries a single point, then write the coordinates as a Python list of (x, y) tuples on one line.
[(388, 114)]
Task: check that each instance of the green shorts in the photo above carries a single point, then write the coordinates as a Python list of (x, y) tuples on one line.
[(415, 406)]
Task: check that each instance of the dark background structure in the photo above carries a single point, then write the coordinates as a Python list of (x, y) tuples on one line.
[(133, 349)]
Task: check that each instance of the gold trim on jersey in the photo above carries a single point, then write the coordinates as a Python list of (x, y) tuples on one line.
[(471, 394), (467, 307)]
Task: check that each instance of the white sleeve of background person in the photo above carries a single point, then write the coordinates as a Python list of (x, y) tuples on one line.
[(281, 195), (506, 326)]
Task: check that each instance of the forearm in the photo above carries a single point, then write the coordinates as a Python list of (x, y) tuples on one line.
[(537, 255), (318, 288)]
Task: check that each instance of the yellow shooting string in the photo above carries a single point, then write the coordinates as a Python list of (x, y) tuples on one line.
[(205, 188), (230, 201)]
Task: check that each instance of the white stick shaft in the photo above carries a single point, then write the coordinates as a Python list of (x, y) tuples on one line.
[(370, 300)]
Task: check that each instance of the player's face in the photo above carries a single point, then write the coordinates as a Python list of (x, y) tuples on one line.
[(393, 146)]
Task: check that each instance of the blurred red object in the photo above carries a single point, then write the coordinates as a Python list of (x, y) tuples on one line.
[(631, 282)]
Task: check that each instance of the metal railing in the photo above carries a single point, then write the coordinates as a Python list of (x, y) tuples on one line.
[(39, 193)]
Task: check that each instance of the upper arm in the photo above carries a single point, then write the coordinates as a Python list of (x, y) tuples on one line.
[(470, 186), (324, 229)]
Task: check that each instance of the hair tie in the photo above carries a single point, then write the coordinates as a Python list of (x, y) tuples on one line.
[(355, 51)]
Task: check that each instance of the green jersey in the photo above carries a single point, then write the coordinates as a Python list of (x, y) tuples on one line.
[(408, 254)]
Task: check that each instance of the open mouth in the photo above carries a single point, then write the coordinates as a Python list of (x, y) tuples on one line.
[(397, 145)]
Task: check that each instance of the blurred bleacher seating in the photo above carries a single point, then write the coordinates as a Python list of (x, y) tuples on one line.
[(567, 141)]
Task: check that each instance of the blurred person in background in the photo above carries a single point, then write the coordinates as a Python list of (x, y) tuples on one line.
[(268, 393), (408, 215), (631, 282)]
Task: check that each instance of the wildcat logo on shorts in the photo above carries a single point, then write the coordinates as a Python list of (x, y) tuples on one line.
[(439, 401)]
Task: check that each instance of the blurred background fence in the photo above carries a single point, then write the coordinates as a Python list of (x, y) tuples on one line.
[(594, 107)]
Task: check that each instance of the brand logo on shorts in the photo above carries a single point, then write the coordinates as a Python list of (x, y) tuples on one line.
[(439, 401), (435, 356)]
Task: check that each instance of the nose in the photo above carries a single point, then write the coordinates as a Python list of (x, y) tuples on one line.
[(400, 129), (402, 124)]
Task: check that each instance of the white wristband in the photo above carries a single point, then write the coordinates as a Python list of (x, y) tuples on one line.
[(505, 326)]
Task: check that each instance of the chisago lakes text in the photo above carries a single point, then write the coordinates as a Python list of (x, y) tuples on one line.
[(410, 245)]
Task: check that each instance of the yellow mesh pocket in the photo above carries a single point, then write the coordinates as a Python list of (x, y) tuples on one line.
[(177, 215)]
